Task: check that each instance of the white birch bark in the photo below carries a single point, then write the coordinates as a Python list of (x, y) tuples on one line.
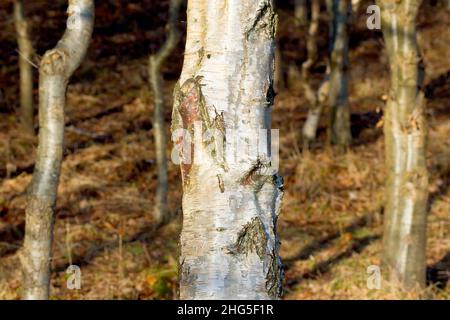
[(229, 250), (405, 132)]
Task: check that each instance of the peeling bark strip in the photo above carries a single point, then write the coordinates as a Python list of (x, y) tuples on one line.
[(156, 84), (228, 251), (339, 129), (56, 68), (405, 130), (252, 238)]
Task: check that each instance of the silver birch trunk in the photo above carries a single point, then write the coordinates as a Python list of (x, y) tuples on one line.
[(405, 130), (159, 131), (231, 197), (339, 129), (56, 68), (26, 71)]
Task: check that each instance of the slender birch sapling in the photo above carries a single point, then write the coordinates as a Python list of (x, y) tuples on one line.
[(316, 99), (223, 100), (156, 84), (405, 131), (25, 66), (339, 127), (56, 68)]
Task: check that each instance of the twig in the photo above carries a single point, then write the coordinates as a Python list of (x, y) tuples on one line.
[(28, 60)]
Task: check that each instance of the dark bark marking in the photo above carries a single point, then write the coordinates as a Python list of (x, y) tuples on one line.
[(252, 238), (264, 23)]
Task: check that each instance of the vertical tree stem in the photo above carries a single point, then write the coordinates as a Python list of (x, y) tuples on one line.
[(316, 100), (404, 239), (156, 84), (300, 12), (339, 129), (26, 71), (231, 196), (56, 68)]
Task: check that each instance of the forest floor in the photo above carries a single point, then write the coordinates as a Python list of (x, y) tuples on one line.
[(330, 223)]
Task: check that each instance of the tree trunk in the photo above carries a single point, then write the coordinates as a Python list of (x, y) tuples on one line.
[(317, 104), (315, 99), (355, 5), (301, 13), (26, 71), (56, 68), (156, 84), (279, 72), (405, 136), (231, 196), (339, 129)]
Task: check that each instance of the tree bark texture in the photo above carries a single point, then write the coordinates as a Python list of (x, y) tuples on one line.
[(25, 67), (405, 130), (231, 198), (156, 84), (56, 68), (339, 128)]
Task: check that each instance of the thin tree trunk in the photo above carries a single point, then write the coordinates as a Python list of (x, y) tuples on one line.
[(156, 84), (315, 111), (355, 5), (26, 71), (301, 12), (56, 68), (315, 99), (405, 132), (279, 72), (339, 129), (229, 248)]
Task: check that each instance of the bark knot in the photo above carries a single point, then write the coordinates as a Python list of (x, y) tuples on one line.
[(54, 62)]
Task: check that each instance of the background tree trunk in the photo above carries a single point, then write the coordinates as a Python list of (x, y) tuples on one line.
[(26, 71), (301, 12), (316, 100), (279, 72), (231, 198), (56, 68), (355, 5), (339, 129), (405, 136), (156, 84)]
